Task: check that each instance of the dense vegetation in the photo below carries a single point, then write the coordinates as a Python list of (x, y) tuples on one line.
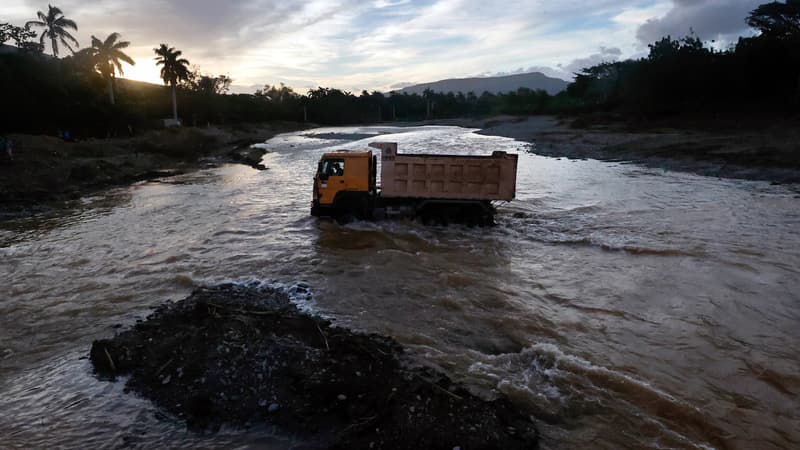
[(43, 94), (758, 74)]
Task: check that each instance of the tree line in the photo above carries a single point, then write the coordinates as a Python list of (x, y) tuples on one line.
[(756, 75), (68, 86)]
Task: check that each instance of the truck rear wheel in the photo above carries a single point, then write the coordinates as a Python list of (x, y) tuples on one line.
[(467, 213)]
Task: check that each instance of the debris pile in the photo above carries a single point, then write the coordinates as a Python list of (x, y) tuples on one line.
[(244, 354)]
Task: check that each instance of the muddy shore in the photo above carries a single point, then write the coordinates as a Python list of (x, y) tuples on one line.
[(245, 355), (46, 169), (768, 152)]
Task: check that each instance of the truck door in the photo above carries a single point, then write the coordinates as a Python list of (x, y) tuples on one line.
[(331, 179)]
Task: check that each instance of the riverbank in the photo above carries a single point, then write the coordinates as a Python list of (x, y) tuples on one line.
[(760, 152), (245, 355), (47, 169)]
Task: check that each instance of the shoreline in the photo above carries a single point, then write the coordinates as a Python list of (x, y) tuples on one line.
[(765, 155), (47, 170)]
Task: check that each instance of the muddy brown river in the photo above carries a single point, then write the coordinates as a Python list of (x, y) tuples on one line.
[(630, 307)]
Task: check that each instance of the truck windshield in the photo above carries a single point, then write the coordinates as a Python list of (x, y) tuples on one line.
[(332, 167)]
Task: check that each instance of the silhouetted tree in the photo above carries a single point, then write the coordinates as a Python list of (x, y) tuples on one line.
[(777, 20), (427, 94), (55, 28), (107, 57), (781, 22), (20, 35), (175, 69), (276, 94), (208, 85)]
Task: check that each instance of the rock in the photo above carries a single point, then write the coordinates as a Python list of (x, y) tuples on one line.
[(250, 156)]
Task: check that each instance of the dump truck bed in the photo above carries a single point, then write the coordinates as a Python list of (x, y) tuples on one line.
[(452, 177)]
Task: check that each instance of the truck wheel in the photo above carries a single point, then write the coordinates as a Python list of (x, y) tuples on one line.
[(363, 210), (345, 218)]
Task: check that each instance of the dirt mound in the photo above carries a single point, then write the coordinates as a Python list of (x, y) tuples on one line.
[(246, 355)]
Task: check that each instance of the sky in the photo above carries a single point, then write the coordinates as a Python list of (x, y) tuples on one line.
[(387, 44)]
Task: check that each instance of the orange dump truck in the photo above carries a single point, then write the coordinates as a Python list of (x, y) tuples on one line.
[(440, 188)]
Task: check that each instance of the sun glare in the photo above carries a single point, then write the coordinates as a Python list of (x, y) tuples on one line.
[(144, 70)]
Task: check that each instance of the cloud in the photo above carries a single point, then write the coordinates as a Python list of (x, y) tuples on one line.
[(388, 3), (248, 39), (550, 72), (709, 19), (605, 55), (356, 44), (566, 71), (612, 51), (401, 85)]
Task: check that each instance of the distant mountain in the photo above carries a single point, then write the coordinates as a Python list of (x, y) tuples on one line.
[(478, 85)]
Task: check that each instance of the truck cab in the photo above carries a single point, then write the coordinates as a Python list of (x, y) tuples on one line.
[(345, 183)]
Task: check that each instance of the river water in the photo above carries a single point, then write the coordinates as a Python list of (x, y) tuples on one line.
[(625, 307)]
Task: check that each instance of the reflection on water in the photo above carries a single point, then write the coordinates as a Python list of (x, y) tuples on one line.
[(625, 307)]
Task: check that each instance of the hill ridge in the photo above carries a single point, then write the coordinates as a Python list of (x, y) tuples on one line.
[(495, 85)]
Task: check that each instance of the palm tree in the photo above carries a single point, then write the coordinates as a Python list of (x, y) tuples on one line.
[(55, 28), (175, 69), (107, 58), (427, 94)]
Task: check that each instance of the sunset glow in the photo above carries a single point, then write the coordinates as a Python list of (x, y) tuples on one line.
[(377, 45)]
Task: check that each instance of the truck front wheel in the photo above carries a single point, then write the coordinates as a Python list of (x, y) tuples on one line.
[(353, 206)]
